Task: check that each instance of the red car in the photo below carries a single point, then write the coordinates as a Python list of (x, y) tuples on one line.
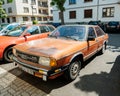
[(19, 35)]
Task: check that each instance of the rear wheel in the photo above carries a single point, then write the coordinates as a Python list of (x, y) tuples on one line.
[(8, 54), (102, 51), (73, 70)]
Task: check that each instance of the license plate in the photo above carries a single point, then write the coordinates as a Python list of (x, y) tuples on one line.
[(28, 70)]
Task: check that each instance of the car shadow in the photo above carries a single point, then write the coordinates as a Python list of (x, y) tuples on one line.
[(46, 86), (104, 84)]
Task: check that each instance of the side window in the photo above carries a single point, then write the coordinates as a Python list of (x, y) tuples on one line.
[(43, 29), (99, 31), (50, 28), (33, 30), (91, 32)]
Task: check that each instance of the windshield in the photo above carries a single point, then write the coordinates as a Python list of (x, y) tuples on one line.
[(9, 27), (16, 31), (70, 32)]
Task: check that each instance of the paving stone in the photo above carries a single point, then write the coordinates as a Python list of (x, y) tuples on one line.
[(25, 94)]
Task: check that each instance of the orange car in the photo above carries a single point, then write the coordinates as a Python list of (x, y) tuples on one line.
[(64, 51), (19, 35)]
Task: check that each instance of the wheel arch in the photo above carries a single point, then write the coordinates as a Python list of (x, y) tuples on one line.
[(7, 48), (78, 56)]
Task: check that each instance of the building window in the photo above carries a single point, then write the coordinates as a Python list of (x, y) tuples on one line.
[(39, 18), (39, 11), (3, 20), (88, 0), (72, 1), (33, 2), (26, 10), (59, 15), (44, 18), (25, 1), (9, 10), (9, 1), (72, 14), (25, 18), (32, 18), (88, 13), (34, 10), (13, 19), (45, 12), (108, 12)]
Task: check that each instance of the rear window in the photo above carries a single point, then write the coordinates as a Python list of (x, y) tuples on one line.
[(113, 23)]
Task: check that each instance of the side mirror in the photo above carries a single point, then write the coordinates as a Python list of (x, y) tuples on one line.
[(26, 34), (91, 38)]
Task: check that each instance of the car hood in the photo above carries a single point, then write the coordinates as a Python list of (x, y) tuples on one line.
[(51, 47)]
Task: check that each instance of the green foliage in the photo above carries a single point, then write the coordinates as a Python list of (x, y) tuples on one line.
[(59, 4), (9, 1), (2, 11), (35, 22)]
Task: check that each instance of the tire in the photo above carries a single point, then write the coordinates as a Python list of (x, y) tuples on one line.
[(8, 54), (73, 70), (102, 51)]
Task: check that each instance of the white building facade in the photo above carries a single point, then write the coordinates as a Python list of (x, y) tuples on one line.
[(25, 11), (77, 11)]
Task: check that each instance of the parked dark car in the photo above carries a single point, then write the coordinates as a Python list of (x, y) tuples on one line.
[(99, 23), (113, 26)]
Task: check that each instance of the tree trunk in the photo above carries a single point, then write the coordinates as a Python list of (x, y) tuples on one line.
[(62, 18)]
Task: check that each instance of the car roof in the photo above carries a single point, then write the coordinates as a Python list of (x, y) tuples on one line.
[(81, 25)]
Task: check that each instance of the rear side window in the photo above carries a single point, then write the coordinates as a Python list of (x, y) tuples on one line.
[(43, 29), (50, 28), (99, 31), (33, 30), (91, 32)]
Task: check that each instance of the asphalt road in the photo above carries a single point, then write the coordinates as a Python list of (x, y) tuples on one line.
[(99, 77)]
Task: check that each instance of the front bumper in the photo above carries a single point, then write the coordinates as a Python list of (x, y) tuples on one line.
[(39, 72)]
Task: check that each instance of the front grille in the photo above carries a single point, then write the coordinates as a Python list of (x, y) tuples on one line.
[(27, 57)]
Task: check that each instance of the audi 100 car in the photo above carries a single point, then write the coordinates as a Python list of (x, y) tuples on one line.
[(19, 35), (63, 52)]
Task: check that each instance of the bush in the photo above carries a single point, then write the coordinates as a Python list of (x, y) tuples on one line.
[(35, 22)]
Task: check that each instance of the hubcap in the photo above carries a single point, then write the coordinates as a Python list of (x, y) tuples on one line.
[(10, 55), (74, 69)]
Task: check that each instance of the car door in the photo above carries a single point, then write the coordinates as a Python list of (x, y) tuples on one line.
[(100, 36), (92, 44), (32, 33), (44, 31)]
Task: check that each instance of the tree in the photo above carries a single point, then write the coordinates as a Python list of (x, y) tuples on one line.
[(2, 11), (60, 6)]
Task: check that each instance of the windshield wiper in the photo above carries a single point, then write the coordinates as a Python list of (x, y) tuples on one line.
[(70, 37)]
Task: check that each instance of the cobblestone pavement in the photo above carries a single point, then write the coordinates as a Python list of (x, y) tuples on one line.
[(11, 85)]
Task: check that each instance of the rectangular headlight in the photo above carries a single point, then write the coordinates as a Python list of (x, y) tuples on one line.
[(47, 61), (44, 61)]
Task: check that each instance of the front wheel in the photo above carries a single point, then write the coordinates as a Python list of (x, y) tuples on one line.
[(8, 54), (73, 70)]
